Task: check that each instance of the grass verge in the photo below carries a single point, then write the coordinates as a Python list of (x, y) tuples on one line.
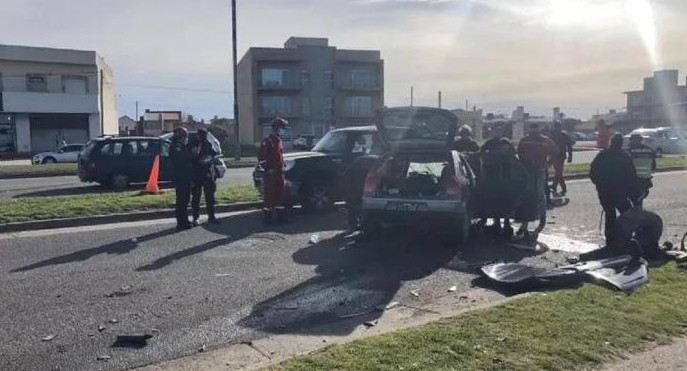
[(661, 163), (563, 330), (56, 207), (27, 171)]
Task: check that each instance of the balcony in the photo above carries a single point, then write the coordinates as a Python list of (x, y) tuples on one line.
[(360, 86), (34, 102), (279, 87), (271, 113)]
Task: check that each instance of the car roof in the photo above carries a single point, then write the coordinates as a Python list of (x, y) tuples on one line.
[(124, 139), (367, 128)]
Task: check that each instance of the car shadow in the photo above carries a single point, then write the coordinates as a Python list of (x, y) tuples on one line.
[(354, 278)]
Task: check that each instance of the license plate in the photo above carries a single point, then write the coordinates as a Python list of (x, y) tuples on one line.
[(404, 206)]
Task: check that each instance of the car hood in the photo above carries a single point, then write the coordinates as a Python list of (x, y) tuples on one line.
[(305, 154), (416, 128)]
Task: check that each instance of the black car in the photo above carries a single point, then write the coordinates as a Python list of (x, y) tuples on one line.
[(117, 162), (312, 177)]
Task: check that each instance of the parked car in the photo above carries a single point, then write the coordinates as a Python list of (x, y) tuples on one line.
[(663, 140), (579, 136), (68, 153), (304, 142), (312, 177), (119, 161), (418, 178)]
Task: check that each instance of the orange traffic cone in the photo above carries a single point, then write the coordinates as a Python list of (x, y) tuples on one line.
[(152, 186)]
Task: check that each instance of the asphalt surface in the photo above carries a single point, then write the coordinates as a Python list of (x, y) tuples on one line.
[(71, 185), (238, 281)]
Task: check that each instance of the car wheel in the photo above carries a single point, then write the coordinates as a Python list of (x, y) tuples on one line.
[(120, 181), (659, 152), (316, 198), (49, 160)]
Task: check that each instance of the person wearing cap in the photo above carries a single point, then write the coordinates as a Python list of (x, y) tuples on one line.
[(536, 152), (204, 176), (465, 143), (271, 157), (644, 159), (565, 151), (181, 160), (613, 173)]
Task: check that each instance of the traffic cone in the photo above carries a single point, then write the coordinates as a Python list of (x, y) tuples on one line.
[(152, 186)]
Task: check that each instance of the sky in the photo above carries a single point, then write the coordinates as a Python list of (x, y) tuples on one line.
[(579, 55)]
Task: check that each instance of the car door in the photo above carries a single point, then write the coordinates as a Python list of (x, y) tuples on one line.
[(70, 153), (142, 156)]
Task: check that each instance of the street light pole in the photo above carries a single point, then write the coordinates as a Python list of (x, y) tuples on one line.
[(236, 85)]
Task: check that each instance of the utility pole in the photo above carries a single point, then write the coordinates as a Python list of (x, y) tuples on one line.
[(466, 105), (102, 103), (412, 92), (439, 98), (236, 84), (136, 110)]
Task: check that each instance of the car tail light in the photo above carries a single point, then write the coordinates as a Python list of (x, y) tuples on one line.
[(452, 186), (370, 183)]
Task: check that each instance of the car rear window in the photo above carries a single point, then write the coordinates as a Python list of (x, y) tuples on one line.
[(414, 178), (86, 150)]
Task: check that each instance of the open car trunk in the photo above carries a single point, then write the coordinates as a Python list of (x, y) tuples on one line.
[(406, 129), (416, 176)]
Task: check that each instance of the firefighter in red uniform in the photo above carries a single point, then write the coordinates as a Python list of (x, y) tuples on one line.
[(271, 157)]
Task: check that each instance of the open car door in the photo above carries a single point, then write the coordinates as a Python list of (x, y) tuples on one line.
[(416, 128)]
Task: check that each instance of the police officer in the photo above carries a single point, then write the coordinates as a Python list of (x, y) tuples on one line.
[(181, 159), (644, 159), (204, 176), (615, 178), (271, 157), (465, 143)]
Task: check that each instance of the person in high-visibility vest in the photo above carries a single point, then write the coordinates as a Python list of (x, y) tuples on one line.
[(644, 159)]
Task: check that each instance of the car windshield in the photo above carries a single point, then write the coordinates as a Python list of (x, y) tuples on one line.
[(333, 142)]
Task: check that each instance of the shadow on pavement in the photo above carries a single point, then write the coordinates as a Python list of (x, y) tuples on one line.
[(117, 248), (353, 278)]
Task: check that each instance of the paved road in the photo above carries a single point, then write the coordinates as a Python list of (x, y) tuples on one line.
[(65, 185), (237, 281)]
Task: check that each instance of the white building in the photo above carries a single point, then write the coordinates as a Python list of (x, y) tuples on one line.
[(49, 96)]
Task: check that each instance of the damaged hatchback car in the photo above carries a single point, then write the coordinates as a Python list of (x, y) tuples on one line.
[(418, 178)]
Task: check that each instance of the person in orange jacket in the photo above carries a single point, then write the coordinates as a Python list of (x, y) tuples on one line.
[(271, 157)]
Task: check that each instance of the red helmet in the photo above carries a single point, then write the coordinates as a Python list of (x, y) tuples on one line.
[(279, 123), (181, 131)]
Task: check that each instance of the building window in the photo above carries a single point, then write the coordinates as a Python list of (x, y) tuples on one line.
[(74, 84), (275, 105), (361, 79), (36, 82), (306, 106), (305, 77), (318, 129), (359, 106), (329, 77), (274, 77), (329, 105)]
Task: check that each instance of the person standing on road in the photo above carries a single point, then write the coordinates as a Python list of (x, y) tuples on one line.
[(271, 157), (204, 176), (615, 178), (353, 183), (537, 152), (465, 143), (565, 150), (644, 159), (181, 160)]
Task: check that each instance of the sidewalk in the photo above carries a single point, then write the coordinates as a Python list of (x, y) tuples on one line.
[(671, 357)]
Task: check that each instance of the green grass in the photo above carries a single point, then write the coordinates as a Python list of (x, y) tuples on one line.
[(661, 163), (563, 330), (21, 171), (55, 207)]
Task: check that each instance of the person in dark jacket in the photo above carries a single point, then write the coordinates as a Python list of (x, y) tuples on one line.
[(565, 150), (465, 143), (614, 176), (353, 181), (644, 159), (204, 176), (182, 168)]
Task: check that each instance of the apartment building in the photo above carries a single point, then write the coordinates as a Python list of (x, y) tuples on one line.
[(315, 86), (661, 102), (156, 123), (50, 96)]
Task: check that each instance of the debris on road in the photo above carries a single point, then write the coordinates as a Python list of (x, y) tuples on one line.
[(137, 340), (371, 323), (453, 289), (222, 275), (48, 338), (103, 358), (202, 348), (415, 293), (122, 291), (114, 320), (315, 238), (134, 240), (383, 307), (101, 328)]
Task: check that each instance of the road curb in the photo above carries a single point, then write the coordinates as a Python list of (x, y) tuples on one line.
[(114, 218)]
